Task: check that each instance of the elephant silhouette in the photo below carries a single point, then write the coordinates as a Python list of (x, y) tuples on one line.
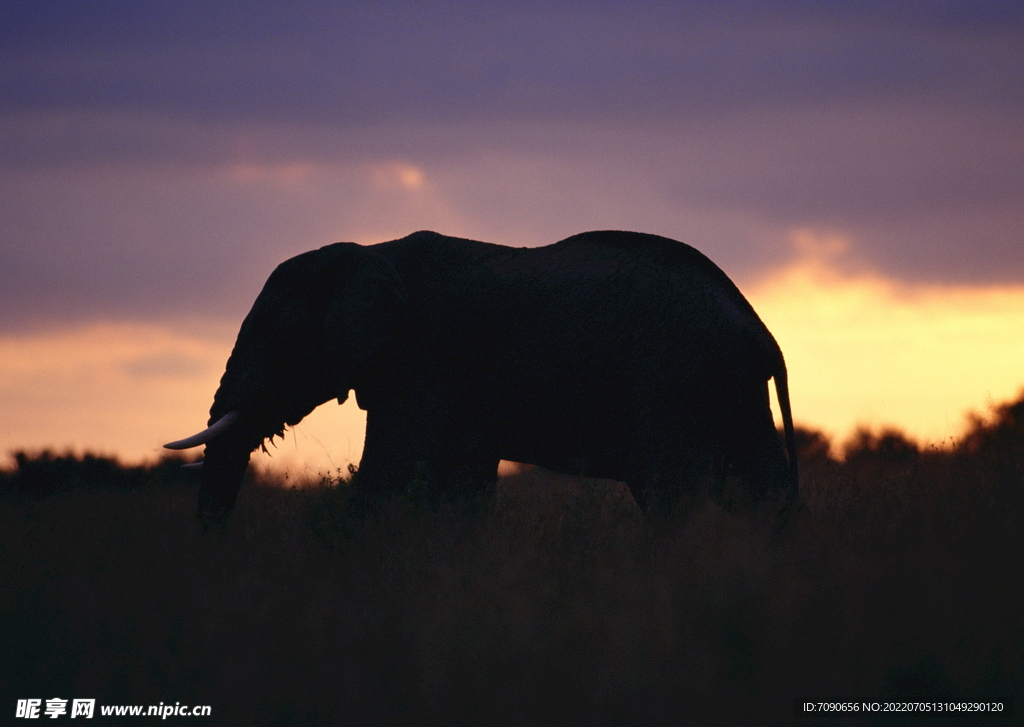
[(609, 354)]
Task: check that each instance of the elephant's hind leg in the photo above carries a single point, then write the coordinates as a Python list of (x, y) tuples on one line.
[(674, 484)]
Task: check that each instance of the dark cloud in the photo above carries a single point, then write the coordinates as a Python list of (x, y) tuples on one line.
[(724, 123), (359, 62), (166, 365)]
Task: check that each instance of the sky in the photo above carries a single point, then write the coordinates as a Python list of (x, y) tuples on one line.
[(856, 168)]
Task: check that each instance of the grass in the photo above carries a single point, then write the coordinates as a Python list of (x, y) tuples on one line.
[(901, 581)]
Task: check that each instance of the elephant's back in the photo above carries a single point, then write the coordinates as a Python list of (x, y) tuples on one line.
[(640, 290), (641, 248), (426, 252), (684, 290), (603, 254)]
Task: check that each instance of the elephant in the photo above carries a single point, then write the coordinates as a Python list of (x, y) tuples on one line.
[(609, 354)]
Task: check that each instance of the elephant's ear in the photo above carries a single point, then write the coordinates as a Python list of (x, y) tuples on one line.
[(363, 308)]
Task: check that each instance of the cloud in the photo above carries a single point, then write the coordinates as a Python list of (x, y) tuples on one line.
[(865, 349), (861, 348), (104, 387), (280, 175), (397, 175), (126, 388), (162, 241), (165, 365), (362, 64), (157, 160)]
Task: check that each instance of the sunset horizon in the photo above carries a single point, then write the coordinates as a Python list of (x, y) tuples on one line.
[(169, 372), (855, 171)]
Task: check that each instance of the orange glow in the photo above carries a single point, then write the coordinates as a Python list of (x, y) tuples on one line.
[(125, 389), (861, 349), (397, 175)]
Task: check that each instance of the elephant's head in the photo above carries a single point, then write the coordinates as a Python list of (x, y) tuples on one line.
[(311, 336)]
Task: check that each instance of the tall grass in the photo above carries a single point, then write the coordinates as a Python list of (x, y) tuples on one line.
[(901, 581)]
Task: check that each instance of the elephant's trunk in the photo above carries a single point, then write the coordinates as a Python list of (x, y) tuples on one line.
[(223, 469), (228, 446)]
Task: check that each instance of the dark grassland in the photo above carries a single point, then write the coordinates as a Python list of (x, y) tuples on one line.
[(901, 582)]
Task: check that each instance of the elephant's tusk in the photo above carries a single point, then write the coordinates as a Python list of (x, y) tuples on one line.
[(207, 434), (192, 466)]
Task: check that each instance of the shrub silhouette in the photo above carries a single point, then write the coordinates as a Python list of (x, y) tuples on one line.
[(812, 445), (1005, 429), (46, 473), (889, 445), (900, 581)]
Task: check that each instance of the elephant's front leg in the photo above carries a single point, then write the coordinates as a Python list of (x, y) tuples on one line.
[(466, 480), (393, 456), (406, 451)]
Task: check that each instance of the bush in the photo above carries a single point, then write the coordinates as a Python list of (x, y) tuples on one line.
[(901, 581), (45, 473)]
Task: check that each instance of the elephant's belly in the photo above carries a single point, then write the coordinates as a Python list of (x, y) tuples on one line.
[(590, 452)]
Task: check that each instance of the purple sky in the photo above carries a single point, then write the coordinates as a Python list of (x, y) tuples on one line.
[(158, 159)]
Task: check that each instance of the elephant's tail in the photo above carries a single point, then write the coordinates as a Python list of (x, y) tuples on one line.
[(782, 392)]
